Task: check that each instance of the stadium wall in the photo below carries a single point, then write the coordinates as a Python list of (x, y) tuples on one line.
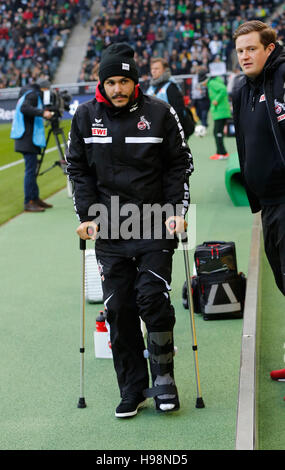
[(80, 92)]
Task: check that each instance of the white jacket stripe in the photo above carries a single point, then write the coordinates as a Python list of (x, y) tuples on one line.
[(143, 140), (98, 140)]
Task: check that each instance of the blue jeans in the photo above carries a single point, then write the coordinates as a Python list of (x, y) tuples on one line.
[(31, 190)]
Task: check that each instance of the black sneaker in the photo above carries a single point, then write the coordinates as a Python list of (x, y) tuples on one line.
[(129, 405)]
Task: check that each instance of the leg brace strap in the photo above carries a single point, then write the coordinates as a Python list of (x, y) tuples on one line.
[(161, 351), (160, 390)]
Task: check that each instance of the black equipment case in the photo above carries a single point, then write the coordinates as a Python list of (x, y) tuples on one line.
[(218, 289)]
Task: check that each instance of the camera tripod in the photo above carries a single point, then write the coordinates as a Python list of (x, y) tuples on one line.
[(60, 139)]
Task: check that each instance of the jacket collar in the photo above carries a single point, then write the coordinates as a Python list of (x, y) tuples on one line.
[(273, 61), (276, 58), (164, 78)]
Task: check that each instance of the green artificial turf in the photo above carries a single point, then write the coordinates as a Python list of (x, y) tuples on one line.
[(7, 146), (11, 179), (39, 336), (271, 356)]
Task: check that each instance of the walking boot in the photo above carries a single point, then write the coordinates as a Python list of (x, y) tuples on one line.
[(164, 391)]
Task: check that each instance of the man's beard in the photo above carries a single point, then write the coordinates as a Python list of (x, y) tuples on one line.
[(129, 102)]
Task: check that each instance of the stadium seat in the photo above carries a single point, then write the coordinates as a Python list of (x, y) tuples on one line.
[(233, 182)]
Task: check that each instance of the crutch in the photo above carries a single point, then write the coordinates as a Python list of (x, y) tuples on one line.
[(184, 241), (81, 401)]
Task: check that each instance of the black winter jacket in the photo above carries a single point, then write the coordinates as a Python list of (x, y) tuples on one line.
[(30, 110), (137, 153), (272, 83)]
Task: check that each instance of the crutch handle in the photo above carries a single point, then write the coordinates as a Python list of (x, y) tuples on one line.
[(183, 235), (82, 244), (172, 225), (90, 231)]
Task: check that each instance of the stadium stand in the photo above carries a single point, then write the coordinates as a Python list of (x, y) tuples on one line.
[(76, 46), (188, 34), (33, 35)]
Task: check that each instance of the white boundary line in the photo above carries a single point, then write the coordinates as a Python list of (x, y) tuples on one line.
[(9, 165), (17, 162), (246, 426)]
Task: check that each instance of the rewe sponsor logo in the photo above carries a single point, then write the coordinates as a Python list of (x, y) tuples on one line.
[(96, 131), (7, 114), (281, 118)]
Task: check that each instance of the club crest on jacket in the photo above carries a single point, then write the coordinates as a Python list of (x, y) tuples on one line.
[(143, 124)]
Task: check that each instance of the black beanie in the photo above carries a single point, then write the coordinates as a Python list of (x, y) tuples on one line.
[(118, 60)]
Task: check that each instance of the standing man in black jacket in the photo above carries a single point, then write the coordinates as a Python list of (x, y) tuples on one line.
[(126, 153), (259, 115)]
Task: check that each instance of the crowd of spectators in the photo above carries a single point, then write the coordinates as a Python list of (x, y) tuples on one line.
[(278, 23), (189, 34), (33, 34)]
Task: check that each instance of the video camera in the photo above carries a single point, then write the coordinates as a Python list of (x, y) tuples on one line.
[(57, 102)]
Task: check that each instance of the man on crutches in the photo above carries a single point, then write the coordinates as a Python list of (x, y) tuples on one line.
[(127, 154)]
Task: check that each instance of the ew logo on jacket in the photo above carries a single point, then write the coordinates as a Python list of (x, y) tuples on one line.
[(262, 98), (134, 107), (98, 131), (143, 124), (98, 123)]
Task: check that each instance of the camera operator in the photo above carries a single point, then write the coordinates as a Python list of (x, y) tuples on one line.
[(29, 134)]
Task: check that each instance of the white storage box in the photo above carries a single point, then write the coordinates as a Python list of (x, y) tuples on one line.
[(93, 287), (102, 345)]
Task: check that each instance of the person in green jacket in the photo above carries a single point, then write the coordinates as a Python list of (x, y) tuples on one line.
[(220, 110)]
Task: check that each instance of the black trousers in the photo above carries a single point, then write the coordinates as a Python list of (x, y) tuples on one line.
[(135, 285), (202, 108), (273, 223), (219, 125)]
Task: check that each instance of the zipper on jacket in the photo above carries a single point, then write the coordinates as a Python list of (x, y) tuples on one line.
[(252, 97), (253, 102)]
